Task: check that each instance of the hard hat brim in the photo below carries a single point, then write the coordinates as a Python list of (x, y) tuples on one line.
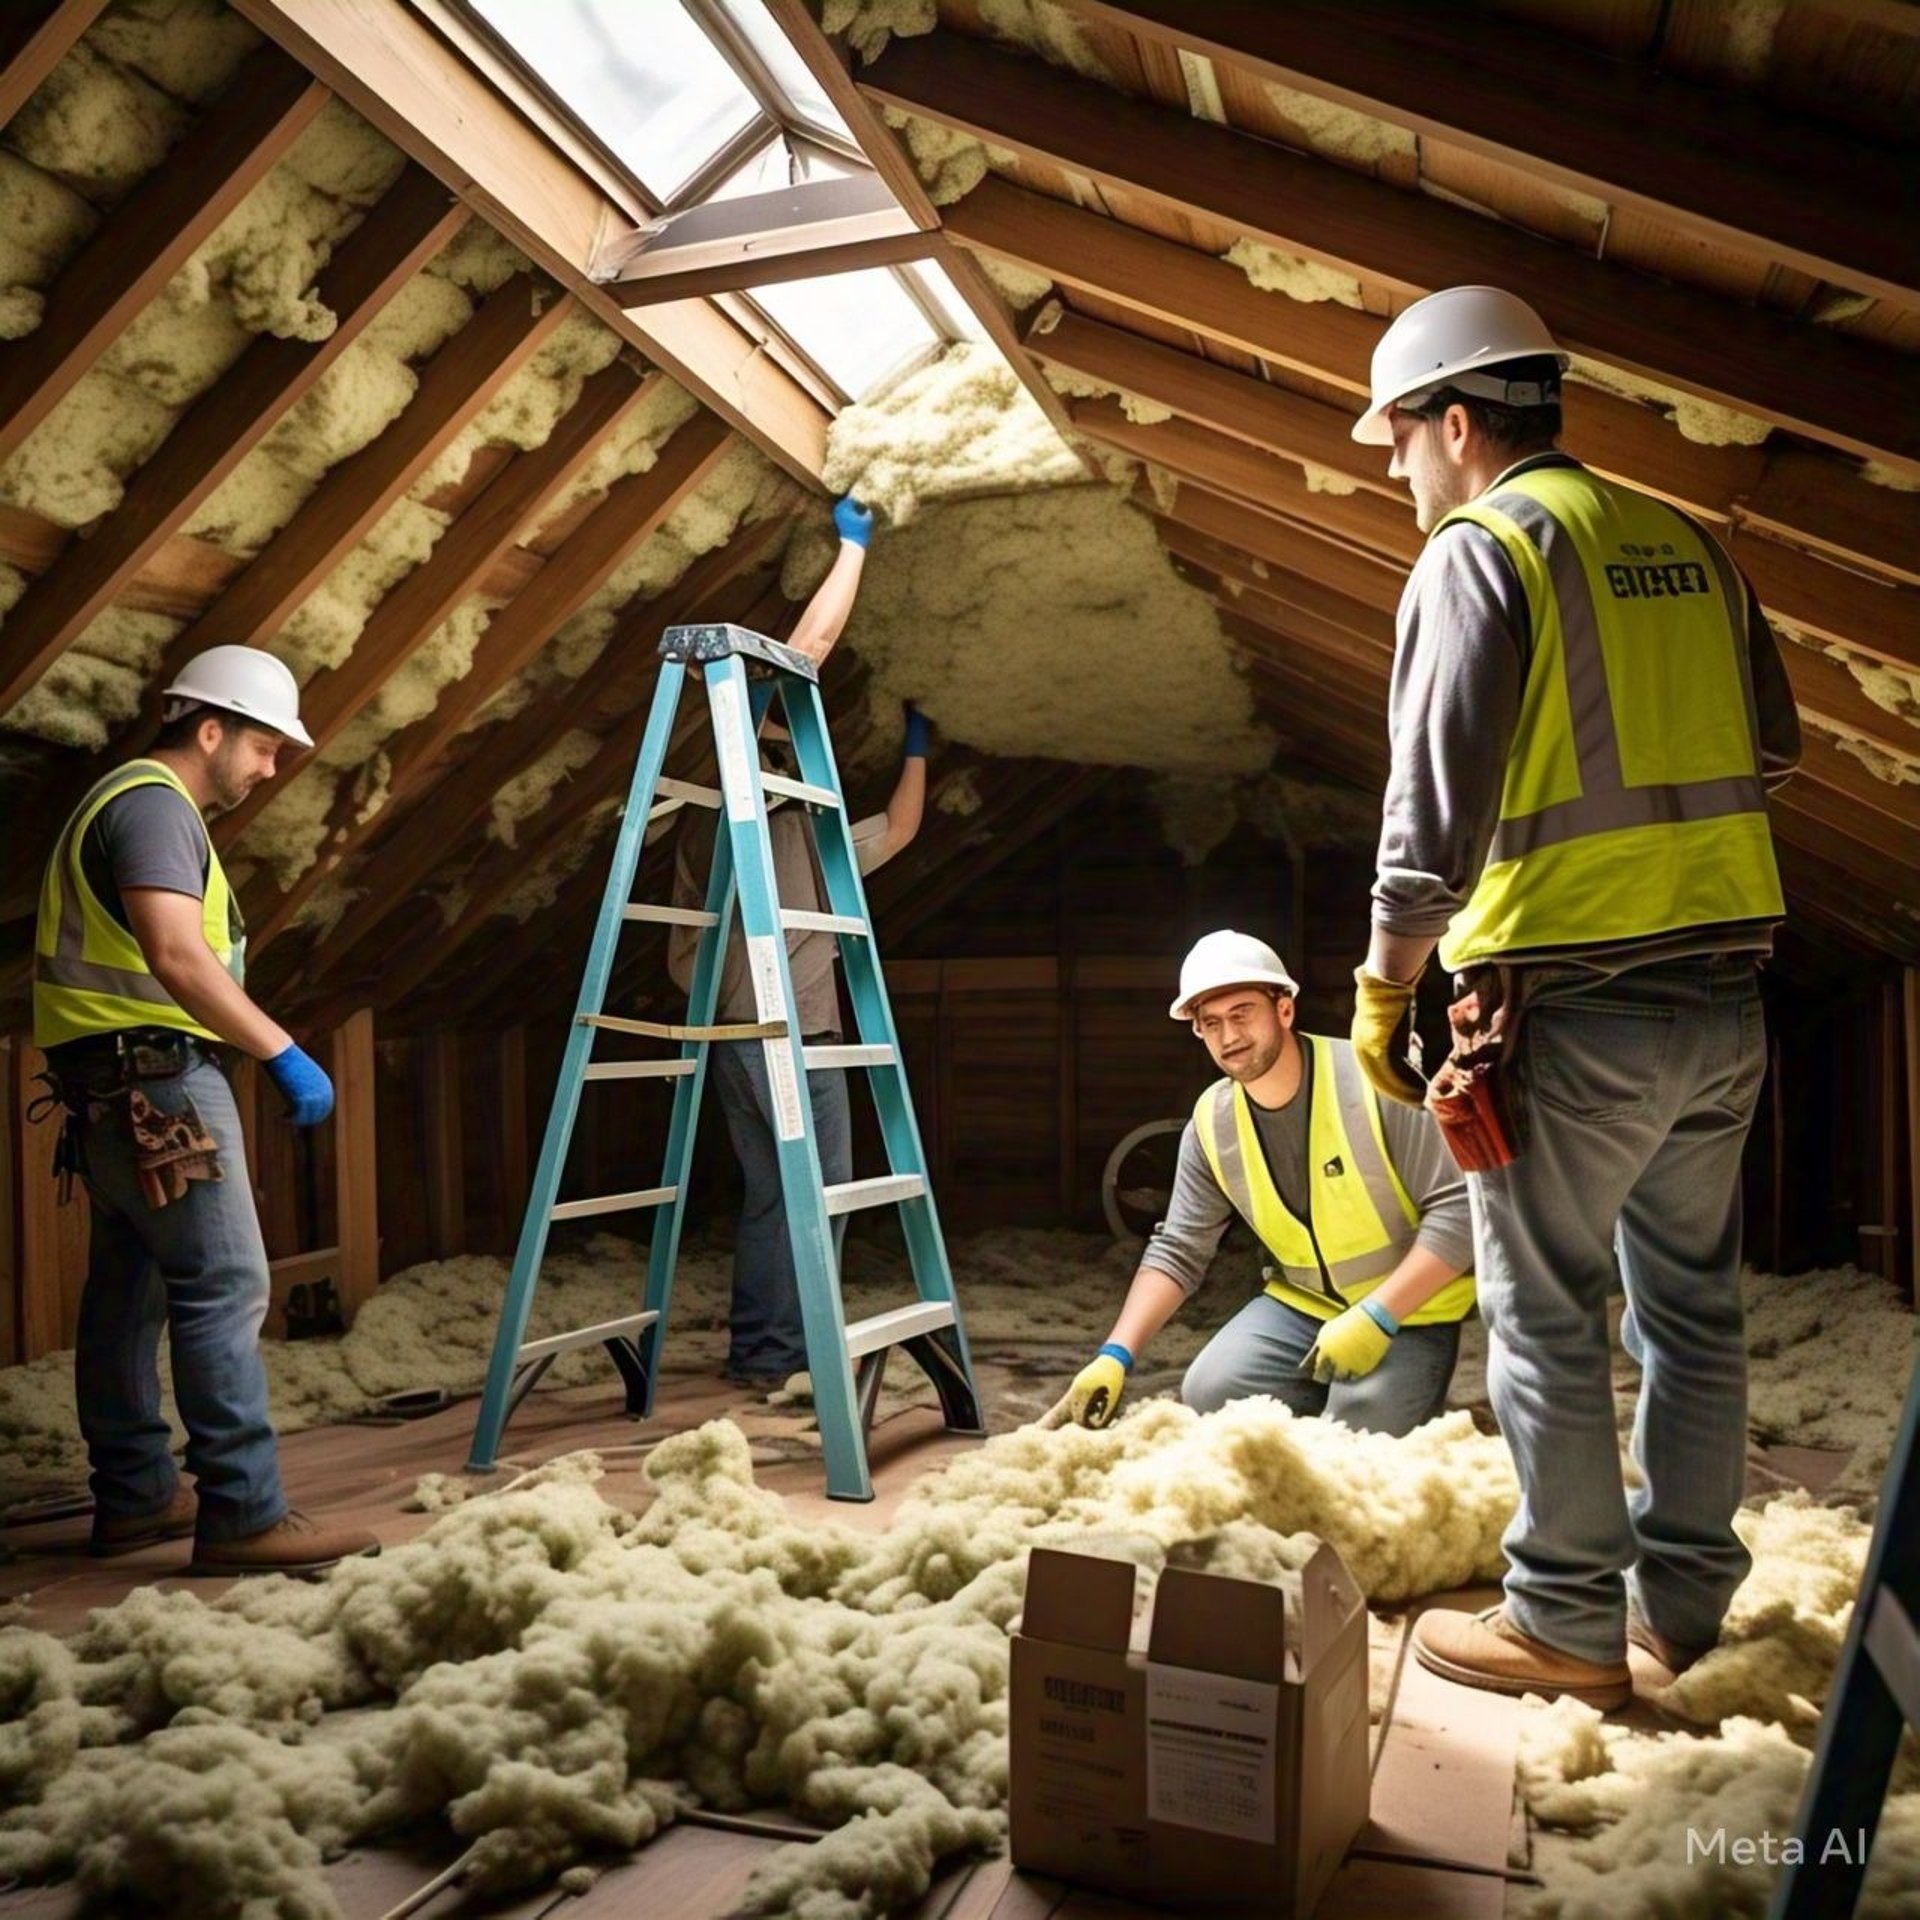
[(1182, 1009)]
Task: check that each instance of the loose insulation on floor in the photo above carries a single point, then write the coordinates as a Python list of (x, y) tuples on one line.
[(552, 1676)]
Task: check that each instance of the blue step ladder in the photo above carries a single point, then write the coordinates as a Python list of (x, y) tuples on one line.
[(744, 674), (1875, 1696)]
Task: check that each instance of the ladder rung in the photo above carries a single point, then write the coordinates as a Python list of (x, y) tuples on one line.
[(799, 790), (613, 1203), (694, 794), (795, 920), (671, 916), (584, 1337), (659, 1030), (838, 1056), (897, 1324), (639, 1070), (850, 1195)]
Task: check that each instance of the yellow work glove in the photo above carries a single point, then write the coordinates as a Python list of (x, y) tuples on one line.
[(1383, 1036), (1351, 1344), (1094, 1397)]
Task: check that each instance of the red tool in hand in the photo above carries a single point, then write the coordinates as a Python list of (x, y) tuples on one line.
[(1471, 1095)]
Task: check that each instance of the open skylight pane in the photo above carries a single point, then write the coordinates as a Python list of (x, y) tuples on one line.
[(645, 79), (858, 328), (784, 66), (944, 297)]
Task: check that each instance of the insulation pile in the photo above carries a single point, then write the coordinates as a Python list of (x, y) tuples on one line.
[(553, 1676)]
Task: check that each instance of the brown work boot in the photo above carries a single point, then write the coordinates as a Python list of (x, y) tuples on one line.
[(1487, 1650), (127, 1532), (1655, 1661), (293, 1544)]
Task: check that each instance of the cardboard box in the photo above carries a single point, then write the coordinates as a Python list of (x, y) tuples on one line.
[(1211, 1754)]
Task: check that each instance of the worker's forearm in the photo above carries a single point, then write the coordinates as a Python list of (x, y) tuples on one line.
[(1398, 956), (1152, 1300), (1414, 1282), (826, 614), (908, 805), (205, 989)]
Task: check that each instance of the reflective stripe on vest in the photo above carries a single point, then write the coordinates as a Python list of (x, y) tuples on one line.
[(90, 975), (1361, 1216), (1632, 803)]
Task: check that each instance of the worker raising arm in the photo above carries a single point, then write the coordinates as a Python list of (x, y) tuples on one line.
[(1359, 1205), (139, 970)]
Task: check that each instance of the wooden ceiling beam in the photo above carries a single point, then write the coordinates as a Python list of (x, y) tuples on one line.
[(388, 63), (399, 865), (409, 225), (1804, 495), (1808, 378), (1727, 168), (1292, 547), (1874, 616), (139, 247), (1365, 660), (1885, 806), (467, 371), (1368, 625), (632, 510), (1275, 419), (1886, 856), (846, 256), (33, 41), (1813, 887)]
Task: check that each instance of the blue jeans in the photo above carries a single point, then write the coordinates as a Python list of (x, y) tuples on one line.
[(1260, 1349), (196, 1267), (767, 1335), (1640, 1091)]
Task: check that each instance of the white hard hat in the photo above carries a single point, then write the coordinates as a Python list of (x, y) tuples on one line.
[(1228, 959), (1439, 341), (247, 681)]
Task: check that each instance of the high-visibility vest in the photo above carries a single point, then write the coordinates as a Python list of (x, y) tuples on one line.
[(1361, 1222), (1633, 804), (89, 973)]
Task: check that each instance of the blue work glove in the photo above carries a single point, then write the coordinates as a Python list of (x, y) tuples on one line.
[(1351, 1344), (917, 732), (303, 1084), (854, 521)]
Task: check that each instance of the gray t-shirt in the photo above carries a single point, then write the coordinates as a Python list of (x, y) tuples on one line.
[(1184, 1243), (149, 836), (1464, 644)]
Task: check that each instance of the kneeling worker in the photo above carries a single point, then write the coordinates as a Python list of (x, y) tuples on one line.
[(1359, 1203)]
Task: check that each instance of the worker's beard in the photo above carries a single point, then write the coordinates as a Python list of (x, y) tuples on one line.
[(1258, 1058), (228, 784)]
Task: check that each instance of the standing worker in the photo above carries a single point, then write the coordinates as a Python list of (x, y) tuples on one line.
[(1587, 709), (139, 963), (1359, 1205), (767, 1343)]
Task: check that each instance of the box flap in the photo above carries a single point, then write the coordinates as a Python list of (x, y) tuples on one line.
[(1329, 1598), (1220, 1625), (1080, 1598)]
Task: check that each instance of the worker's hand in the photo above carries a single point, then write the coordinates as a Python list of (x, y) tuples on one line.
[(1094, 1397), (1351, 1344), (303, 1084), (854, 521), (917, 732), (1383, 1040)]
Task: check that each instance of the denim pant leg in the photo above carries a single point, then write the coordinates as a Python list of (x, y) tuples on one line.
[(116, 1370), (1685, 1325), (767, 1335), (212, 1263), (1407, 1389)]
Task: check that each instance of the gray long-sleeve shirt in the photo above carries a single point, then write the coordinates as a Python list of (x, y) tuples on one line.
[(1463, 646), (1184, 1243)]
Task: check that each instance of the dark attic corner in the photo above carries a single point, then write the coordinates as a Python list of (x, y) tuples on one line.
[(959, 958)]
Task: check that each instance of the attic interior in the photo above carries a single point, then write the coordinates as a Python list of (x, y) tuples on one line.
[(451, 351)]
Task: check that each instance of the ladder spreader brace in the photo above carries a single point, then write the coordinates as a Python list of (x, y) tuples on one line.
[(744, 673)]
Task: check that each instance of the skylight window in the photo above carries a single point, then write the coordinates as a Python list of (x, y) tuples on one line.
[(645, 80), (860, 329), (784, 67)]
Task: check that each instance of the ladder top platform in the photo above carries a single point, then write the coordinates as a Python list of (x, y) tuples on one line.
[(695, 646)]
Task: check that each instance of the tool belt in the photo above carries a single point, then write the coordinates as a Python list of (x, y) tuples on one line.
[(88, 1079), (1473, 1096)]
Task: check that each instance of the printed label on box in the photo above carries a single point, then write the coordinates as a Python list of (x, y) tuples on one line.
[(1210, 1751), (763, 961), (730, 736)]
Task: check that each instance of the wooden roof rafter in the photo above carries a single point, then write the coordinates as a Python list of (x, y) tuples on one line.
[(33, 41), (1803, 377)]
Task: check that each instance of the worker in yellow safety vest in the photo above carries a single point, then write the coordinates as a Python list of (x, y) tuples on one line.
[(1360, 1206), (1587, 710), (139, 969)]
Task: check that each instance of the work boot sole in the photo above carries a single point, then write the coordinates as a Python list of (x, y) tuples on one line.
[(293, 1569), (1604, 1694), (132, 1543)]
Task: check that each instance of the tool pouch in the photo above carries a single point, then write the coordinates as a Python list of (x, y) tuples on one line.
[(1473, 1096), (169, 1149)]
